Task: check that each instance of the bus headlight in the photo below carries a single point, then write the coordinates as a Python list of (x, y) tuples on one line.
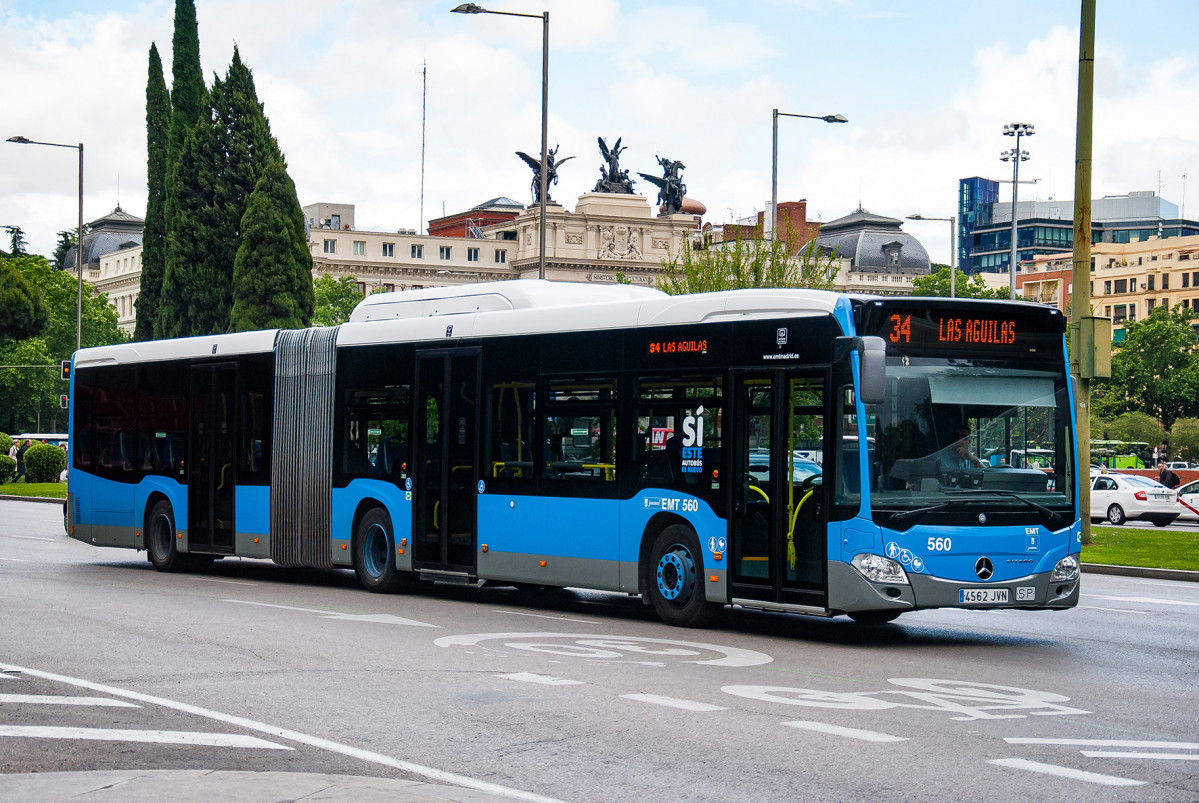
[(878, 569), (1065, 570)]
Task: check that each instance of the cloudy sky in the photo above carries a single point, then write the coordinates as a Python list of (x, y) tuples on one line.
[(927, 86)]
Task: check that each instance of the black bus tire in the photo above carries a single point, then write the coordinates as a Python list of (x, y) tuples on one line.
[(675, 579), (161, 546), (374, 555)]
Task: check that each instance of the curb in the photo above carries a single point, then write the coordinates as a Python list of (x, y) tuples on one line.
[(1141, 571), (32, 499)]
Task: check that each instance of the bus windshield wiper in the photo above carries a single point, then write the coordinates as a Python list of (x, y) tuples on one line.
[(904, 515), (1053, 516)]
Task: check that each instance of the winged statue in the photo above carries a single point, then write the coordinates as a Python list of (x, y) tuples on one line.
[(671, 188), (552, 163), (612, 178)]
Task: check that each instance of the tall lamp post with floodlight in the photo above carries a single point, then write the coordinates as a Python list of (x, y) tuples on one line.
[(774, 157), (78, 237), (475, 8), (1015, 156), (952, 221)]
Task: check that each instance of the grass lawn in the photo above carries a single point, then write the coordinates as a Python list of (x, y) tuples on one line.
[(1153, 548), (54, 490)]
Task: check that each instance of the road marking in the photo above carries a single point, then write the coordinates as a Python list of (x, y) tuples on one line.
[(1167, 756), (1104, 743), (1111, 610), (195, 738), (849, 733), (49, 699), (230, 582), (1064, 772), (609, 648), (291, 736), (33, 537), (546, 680), (1146, 600), (379, 618), (544, 616), (673, 702), (15, 560)]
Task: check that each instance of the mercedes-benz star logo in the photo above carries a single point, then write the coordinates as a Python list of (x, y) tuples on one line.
[(984, 569)]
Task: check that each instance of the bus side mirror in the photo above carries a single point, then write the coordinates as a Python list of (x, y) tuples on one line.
[(872, 353), (874, 370)]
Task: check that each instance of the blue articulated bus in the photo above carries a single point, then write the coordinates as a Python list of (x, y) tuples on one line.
[(785, 450)]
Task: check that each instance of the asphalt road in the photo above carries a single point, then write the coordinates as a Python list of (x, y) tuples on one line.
[(267, 676)]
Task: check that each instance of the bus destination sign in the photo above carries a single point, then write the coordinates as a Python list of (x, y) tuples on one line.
[(952, 329), (910, 327), (678, 347)]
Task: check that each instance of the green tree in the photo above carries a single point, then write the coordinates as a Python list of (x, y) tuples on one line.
[(1184, 438), (334, 299), (16, 239), (188, 196), (751, 262), (64, 246), (936, 284), (272, 282), (1155, 370), (23, 311), (29, 397), (154, 235), (1136, 428)]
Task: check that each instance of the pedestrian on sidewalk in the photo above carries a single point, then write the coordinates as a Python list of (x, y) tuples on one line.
[(21, 462)]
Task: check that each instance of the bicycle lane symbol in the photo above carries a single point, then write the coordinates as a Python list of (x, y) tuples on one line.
[(967, 701)]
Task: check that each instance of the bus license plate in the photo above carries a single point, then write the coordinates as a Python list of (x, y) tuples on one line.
[(981, 596)]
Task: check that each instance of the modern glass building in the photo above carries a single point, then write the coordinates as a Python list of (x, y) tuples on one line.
[(1047, 227)]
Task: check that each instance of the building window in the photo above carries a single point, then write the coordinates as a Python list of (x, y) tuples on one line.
[(1165, 281), (1149, 305), (501, 257), (472, 255), (389, 288), (389, 249), (1195, 279), (361, 288), (418, 252), (1132, 312), (1149, 286), (360, 248), (445, 252), (330, 246), (1121, 285), (1107, 288)]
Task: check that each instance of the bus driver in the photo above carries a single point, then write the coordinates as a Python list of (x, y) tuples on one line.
[(958, 456)]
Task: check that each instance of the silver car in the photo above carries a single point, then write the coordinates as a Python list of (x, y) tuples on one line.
[(1127, 497)]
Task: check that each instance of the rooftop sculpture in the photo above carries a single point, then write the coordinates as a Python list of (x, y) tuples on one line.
[(671, 188), (612, 178), (552, 163)]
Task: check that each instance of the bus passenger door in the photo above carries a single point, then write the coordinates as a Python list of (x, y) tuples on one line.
[(211, 473), (778, 530), (446, 473)]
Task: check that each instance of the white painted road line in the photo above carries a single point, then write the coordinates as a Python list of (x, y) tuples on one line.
[(378, 618), (15, 560), (544, 616), (228, 582), (545, 680), (47, 699), (849, 733), (1146, 600), (1105, 743), (195, 738), (672, 702), (33, 537), (291, 736), (1064, 772), (1160, 756), (1111, 610)]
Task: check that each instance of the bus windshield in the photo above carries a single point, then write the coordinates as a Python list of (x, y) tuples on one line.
[(956, 431)]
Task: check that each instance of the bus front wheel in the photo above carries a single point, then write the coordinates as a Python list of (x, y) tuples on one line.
[(160, 539), (374, 555), (675, 580)]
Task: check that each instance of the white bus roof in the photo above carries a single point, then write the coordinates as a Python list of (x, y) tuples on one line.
[(181, 348)]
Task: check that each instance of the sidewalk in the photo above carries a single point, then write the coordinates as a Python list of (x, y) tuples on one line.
[(203, 786)]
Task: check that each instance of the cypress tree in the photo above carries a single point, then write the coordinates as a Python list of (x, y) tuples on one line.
[(272, 283), (188, 110), (158, 124)]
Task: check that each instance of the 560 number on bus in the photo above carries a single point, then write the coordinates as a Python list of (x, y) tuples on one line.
[(940, 544)]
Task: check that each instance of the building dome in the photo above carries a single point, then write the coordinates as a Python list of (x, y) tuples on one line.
[(115, 231), (873, 243)]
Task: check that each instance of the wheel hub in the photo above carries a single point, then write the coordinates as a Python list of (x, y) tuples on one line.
[(676, 575)]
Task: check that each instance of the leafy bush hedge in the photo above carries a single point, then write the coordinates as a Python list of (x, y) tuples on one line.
[(8, 468), (44, 462), (5, 443)]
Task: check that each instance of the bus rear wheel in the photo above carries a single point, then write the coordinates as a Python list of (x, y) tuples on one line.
[(374, 555), (161, 548), (675, 579)]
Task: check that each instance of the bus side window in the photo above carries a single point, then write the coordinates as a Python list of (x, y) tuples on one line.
[(510, 453), (580, 430)]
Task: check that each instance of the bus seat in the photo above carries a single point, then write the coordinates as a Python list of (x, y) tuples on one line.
[(392, 454), (658, 467)]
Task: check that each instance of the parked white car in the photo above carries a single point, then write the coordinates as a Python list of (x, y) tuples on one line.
[(1128, 497), (1188, 501)]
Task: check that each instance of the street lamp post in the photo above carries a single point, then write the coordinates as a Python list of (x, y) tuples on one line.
[(78, 237), (774, 157), (1015, 156), (475, 8), (952, 221)]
